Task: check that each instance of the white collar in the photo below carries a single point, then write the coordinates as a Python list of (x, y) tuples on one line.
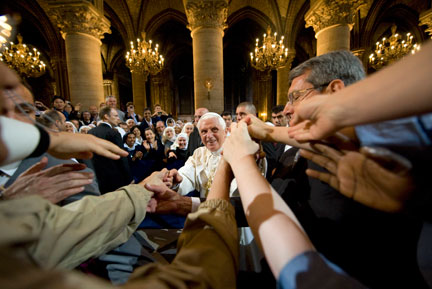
[(106, 123)]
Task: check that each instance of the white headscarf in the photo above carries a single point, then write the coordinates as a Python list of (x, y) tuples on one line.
[(73, 126), (165, 137), (175, 145), (184, 127)]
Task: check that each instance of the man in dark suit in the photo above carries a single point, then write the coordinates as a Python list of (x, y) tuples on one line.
[(148, 121), (111, 174), (274, 150), (195, 138)]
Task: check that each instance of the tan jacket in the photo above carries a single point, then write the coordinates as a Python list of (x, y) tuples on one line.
[(54, 236), (64, 237)]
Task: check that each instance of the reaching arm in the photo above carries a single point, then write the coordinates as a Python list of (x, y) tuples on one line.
[(364, 101), (274, 225)]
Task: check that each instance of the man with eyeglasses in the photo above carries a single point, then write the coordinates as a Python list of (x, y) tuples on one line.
[(362, 241)]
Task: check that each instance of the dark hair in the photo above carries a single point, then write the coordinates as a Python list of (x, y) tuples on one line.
[(278, 108), (134, 127), (325, 68), (226, 113), (57, 97), (104, 111), (126, 136), (129, 103), (147, 108)]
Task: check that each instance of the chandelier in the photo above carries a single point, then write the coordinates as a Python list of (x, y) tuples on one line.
[(22, 59), (144, 59), (272, 55), (392, 49), (5, 29)]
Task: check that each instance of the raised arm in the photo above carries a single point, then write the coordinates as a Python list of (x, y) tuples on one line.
[(274, 225), (403, 89)]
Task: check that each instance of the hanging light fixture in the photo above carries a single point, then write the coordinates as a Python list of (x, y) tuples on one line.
[(5, 29), (272, 55), (21, 58), (143, 58), (393, 48)]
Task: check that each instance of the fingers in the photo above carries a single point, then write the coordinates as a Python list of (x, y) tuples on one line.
[(320, 160), (324, 177), (109, 150), (327, 151), (36, 167), (64, 168), (61, 195)]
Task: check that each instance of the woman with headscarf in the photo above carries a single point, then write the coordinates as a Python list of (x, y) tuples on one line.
[(188, 128), (170, 122), (84, 129), (168, 138), (70, 127), (178, 153)]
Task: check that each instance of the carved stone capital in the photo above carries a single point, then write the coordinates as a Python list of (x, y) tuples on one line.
[(206, 13), (326, 13), (426, 19), (78, 17)]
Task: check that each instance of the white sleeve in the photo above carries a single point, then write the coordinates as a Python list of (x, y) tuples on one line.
[(188, 173), (20, 139)]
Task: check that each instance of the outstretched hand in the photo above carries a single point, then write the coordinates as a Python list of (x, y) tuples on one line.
[(312, 120), (239, 144), (64, 145), (374, 177), (54, 184), (167, 201)]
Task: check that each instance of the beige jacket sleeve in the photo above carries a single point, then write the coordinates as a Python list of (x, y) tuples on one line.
[(64, 237), (207, 253)]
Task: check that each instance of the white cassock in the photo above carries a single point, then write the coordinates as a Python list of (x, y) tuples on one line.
[(198, 174)]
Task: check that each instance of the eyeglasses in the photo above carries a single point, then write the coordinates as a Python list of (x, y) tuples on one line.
[(295, 95)]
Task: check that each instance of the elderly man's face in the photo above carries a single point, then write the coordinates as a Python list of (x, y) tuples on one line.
[(112, 102), (199, 113), (212, 134), (160, 127)]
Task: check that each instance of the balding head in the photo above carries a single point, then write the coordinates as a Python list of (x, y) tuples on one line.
[(198, 113)]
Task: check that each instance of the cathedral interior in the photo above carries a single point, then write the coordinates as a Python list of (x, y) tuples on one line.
[(84, 43)]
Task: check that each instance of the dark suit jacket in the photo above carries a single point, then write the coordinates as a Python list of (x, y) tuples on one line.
[(111, 174), (376, 248), (145, 125), (91, 189), (273, 152), (194, 141)]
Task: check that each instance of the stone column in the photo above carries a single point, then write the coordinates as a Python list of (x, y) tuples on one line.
[(82, 26), (207, 21), (283, 80), (139, 92), (426, 19), (332, 21)]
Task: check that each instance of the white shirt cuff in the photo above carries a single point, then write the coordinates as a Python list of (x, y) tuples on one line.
[(195, 204)]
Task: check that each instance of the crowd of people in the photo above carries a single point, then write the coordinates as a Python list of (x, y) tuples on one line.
[(334, 187)]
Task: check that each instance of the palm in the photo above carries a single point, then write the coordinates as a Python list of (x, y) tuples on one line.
[(372, 185)]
